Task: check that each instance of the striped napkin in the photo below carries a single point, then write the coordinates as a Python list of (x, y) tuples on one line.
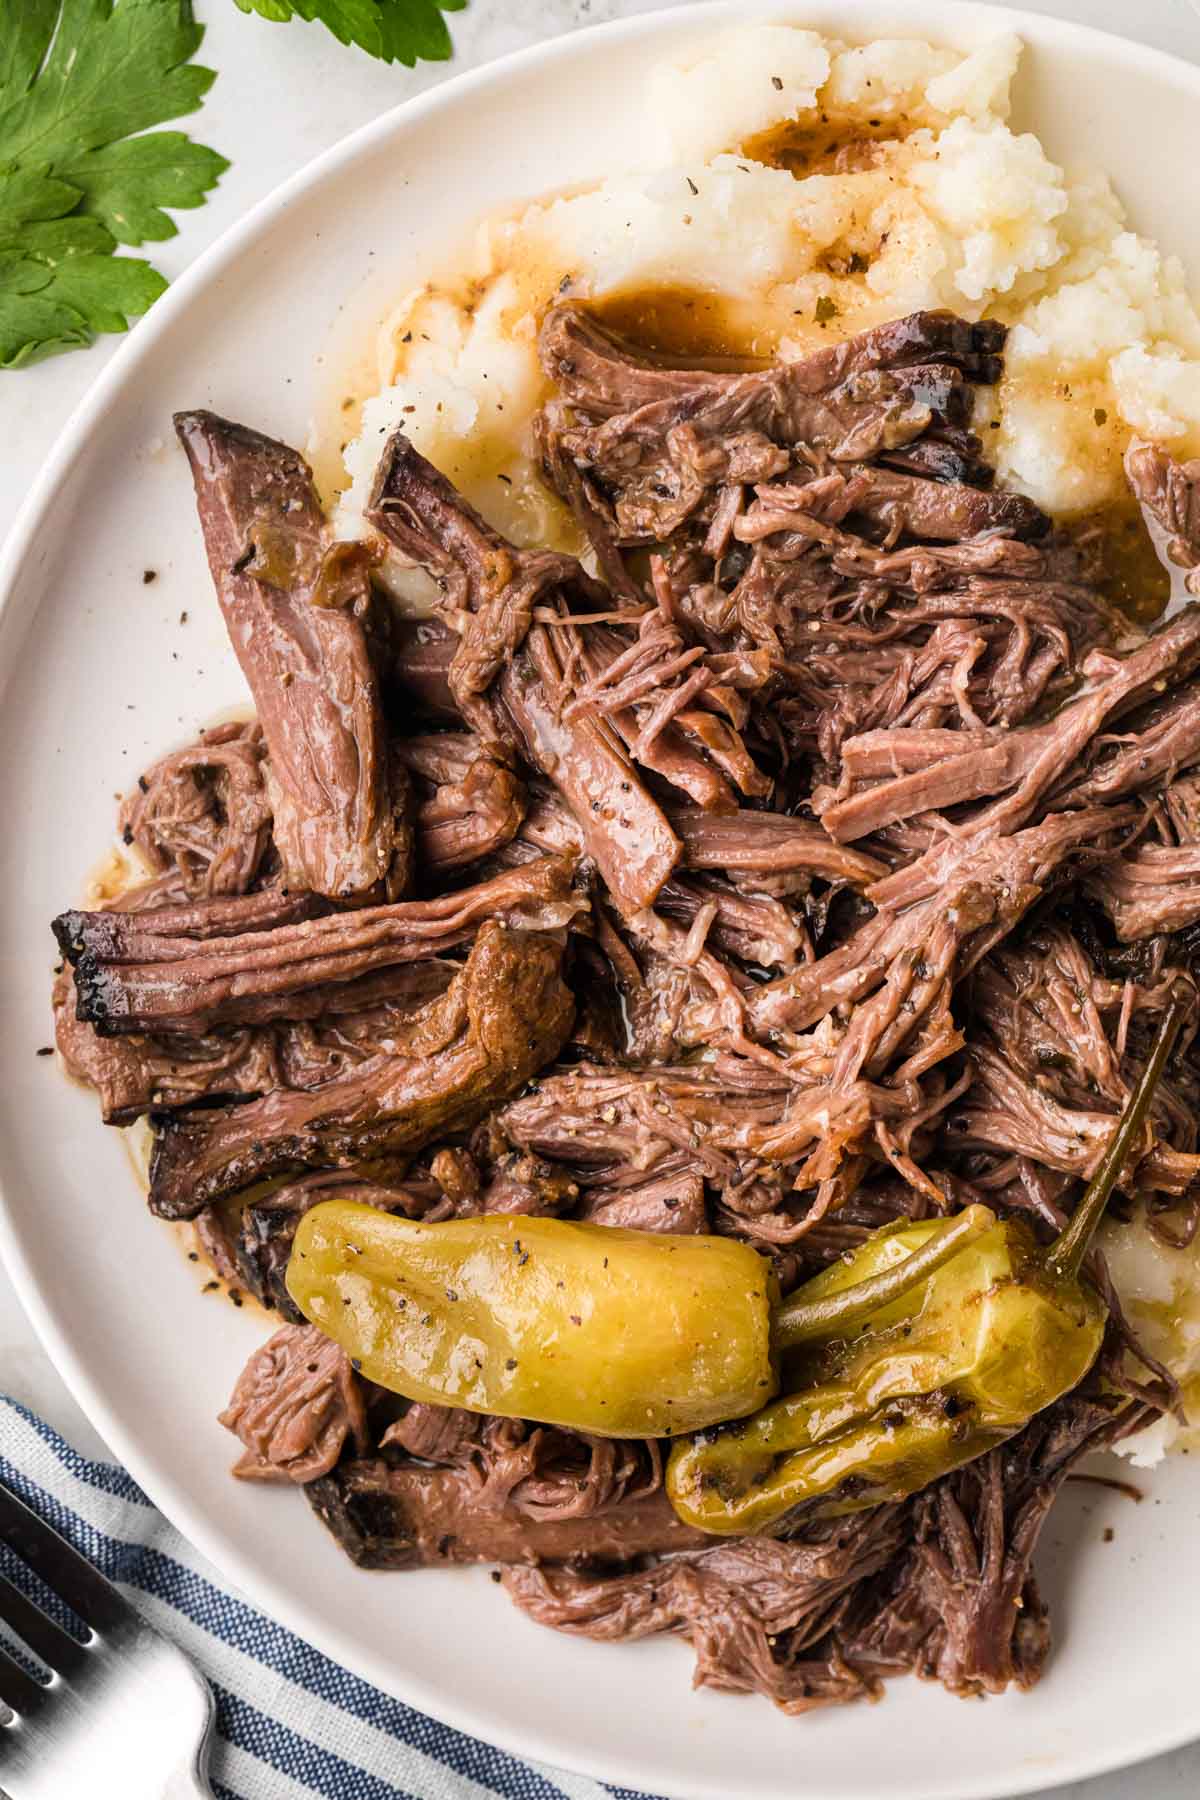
[(291, 1724)]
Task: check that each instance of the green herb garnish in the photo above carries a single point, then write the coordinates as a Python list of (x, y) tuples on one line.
[(78, 80), (406, 31)]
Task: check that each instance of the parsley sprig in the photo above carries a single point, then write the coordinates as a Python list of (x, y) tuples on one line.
[(405, 31), (81, 83)]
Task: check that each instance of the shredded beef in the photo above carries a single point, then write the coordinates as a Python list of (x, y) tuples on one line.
[(204, 811), (940, 1586), (468, 803), (1023, 764), (829, 862), (296, 1404), (767, 844), (164, 1072), (1169, 493), (663, 438), (673, 1203)]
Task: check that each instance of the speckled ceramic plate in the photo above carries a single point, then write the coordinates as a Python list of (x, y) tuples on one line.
[(98, 674)]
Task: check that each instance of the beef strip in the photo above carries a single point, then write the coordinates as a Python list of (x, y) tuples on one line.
[(132, 1075), (961, 1605), (204, 811), (437, 1434), (522, 1184), (767, 844), (597, 371), (1155, 888), (294, 608), (680, 459), (758, 1612), (125, 1075), (899, 505), (422, 655), (161, 1072), (979, 885), (1152, 748), (119, 933), (406, 1516), (160, 983), (533, 1471), (296, 1404), (672, 1203), (490, 589), (1006, 1110), (660, 439), (505, 1014), (755, 928)]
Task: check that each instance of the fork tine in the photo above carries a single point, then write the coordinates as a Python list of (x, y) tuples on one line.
[(18, 1690), (39, 1633), (61, 1567)]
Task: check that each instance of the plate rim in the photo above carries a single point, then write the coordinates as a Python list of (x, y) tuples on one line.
[(174, 1503)]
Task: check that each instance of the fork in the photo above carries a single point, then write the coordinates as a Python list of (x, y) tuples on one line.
[(125, 1712)]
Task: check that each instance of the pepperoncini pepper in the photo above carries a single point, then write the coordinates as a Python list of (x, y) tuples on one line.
[(892, 1390), (933, 1342), (617, 1333)]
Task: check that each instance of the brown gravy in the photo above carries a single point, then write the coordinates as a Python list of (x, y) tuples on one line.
[(830, 146), (1132, 578), (686, 326)]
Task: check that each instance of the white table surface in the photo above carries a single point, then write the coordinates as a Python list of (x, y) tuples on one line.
[(284, 93)]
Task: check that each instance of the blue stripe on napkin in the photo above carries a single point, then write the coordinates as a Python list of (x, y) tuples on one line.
[(290, 1723)]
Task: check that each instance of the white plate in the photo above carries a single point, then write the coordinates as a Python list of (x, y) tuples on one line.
[(99, 675)]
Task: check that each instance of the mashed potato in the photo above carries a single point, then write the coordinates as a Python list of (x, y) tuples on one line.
[(955, 210), (1160, 1291), (948, 208)]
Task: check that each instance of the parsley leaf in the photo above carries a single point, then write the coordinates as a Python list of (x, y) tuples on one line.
[(79, 79), (406, 31)]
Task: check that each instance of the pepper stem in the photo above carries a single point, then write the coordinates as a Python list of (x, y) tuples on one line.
[(799, 1321), (1065, 1255)]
